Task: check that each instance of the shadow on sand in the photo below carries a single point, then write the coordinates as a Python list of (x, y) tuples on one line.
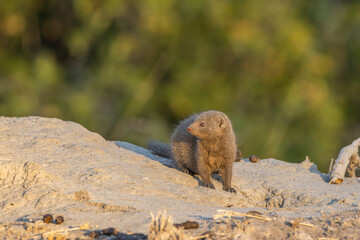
[(165, 161)]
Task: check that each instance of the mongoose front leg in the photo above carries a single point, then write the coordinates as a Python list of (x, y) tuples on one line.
[(205, 177), (226, 174), (204, 168)]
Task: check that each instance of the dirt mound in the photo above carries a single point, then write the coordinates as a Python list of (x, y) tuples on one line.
[(58, 167)]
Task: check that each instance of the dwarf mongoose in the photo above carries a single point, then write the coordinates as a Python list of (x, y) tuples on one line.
[(203, 143)]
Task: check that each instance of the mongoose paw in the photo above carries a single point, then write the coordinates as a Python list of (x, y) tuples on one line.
[(187, 171), (209, 185), (232, 190)]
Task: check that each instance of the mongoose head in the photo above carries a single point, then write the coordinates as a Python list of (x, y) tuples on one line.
[(209, 125)]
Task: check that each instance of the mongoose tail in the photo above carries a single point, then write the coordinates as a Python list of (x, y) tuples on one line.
[(159, 148)]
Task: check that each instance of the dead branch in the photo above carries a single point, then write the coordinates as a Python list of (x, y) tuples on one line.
[(343, 160)]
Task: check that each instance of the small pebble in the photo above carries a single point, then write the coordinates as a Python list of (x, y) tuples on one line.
[(187, 225), (238, 156), (94, 234), (254, 158), (48, 218), (109, 231), (59, 219)]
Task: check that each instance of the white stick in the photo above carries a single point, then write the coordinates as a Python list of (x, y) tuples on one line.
[(331, 164), (338, 173)]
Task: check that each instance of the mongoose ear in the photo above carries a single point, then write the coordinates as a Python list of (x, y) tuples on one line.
[(221, 122)]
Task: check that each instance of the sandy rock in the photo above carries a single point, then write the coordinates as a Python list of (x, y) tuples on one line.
[(58, 167)]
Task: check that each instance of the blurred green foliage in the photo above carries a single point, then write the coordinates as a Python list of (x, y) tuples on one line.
[(286, 72)]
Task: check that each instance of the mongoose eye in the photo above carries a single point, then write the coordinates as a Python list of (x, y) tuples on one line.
[(202, 124)]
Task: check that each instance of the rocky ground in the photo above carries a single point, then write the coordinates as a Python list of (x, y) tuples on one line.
[(49, 166)]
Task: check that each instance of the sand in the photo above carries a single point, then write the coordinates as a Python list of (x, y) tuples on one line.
[(61, 168)]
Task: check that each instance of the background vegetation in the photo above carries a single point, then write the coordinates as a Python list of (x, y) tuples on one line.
[(286, 72)]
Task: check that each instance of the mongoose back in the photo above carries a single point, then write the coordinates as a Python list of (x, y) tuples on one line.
[(203, 143)]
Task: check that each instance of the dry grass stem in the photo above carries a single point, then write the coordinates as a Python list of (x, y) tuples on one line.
[(226, 213), (331, 165), (200, 237), (162, 228), (296, 223), (306, 224), (83, 227)]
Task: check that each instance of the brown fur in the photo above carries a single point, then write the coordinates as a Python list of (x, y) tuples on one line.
[(203, 143)]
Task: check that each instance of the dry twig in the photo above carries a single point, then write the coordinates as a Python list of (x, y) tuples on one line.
[(226, 213), (331, 165), (83, 227), (343, 161), (200, 237)]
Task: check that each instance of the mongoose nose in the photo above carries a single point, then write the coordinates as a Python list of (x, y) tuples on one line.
[(189, 129)]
